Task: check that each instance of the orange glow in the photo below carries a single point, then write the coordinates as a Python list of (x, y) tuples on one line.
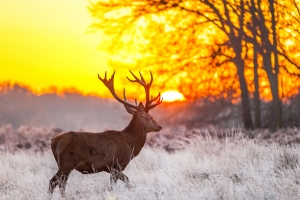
[(192, 55), (44, 46), (172, 95)]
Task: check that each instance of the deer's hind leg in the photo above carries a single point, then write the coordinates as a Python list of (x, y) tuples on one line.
[(62, 175), (60, 179)]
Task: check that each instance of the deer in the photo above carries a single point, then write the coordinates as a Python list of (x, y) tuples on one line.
[(109, 151)]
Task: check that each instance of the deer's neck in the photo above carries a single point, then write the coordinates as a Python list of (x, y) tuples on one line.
[(135, 134)]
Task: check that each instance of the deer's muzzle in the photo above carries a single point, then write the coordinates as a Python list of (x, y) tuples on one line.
[(158, 129)]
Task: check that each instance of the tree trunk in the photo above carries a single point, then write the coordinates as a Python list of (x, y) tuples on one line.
[(244, 93), (256, 91), (275, 85), (277, 110), (269, 47), (273, 79), (254, 28)]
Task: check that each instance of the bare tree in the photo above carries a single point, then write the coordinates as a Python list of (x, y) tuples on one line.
[(188, 26), (189, 38)]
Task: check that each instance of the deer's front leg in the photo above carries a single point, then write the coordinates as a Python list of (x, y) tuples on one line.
[(123, 177), (115, 175)]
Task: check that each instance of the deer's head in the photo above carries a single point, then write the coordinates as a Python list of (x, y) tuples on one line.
[(139, 112), (147, 121)]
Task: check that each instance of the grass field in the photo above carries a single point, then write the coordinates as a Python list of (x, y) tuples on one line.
[(230, 168)]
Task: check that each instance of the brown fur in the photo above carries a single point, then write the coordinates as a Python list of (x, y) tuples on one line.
[(109, 151)]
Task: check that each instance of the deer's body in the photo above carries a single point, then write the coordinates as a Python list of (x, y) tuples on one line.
[(109, 151), (91, 152), (96, 152)]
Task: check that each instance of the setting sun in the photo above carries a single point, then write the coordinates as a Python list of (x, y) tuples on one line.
[(172, 95)]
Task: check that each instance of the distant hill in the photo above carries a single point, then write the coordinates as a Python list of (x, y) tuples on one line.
[(18, 106)]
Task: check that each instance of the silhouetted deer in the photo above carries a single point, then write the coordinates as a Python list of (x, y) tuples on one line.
[(109, 151)]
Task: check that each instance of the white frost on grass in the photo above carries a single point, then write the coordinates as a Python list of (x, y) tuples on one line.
[(233, 168)]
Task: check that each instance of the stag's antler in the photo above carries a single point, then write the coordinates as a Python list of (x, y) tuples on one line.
[(147, 87), (109, 83)]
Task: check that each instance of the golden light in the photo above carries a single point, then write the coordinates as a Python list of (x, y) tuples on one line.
[(172, 95), (52, 51)]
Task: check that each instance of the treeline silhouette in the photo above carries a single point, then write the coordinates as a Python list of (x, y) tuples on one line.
[(18, 107)]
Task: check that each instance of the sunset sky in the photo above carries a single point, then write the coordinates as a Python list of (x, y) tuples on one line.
[(46, 43)]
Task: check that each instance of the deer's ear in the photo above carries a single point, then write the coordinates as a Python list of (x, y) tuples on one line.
[(141, 107), (129, 110)]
